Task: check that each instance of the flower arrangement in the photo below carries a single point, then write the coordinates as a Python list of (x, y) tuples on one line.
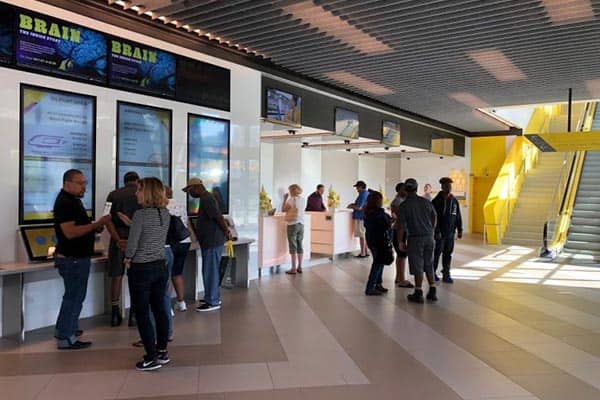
[(386, 200), (265, 201), (333, 199)]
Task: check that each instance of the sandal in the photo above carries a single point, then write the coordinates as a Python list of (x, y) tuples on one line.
[(406, 285), (139, 343), (299, 270), (290, 272)]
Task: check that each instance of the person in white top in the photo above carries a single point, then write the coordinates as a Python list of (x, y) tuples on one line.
[(180, 251), (294, 205)]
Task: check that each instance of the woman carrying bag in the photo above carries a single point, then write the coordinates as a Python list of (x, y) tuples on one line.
[(147, 271), (293, 206), (378, 234)]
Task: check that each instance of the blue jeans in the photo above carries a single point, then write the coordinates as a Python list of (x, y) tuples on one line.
[(147, 283), (75, 273), (376, 274), (211, 260), (167, 300)]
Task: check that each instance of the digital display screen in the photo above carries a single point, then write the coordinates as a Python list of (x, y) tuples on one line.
[(203, 84), (390, 133), (346, 123), (208, 158), (51, 45), (6, 34), (284, 107), (143, 142), (141, 68), (57, 133), (40, 242)]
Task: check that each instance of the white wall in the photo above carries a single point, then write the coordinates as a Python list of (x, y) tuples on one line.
[(371, 169), (312, 164), (393, 175), (340, 169)]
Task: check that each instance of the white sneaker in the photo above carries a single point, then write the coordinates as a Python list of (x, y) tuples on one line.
[(181, 306)]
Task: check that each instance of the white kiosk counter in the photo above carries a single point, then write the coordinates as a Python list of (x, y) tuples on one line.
[(273, 245), (332, 233)]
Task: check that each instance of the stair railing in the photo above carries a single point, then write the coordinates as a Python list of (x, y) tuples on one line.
[(561, 206)]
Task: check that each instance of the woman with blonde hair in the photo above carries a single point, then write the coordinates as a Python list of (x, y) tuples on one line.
[(294, 205), (147, 271)]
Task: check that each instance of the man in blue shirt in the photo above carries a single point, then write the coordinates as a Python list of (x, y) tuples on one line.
[(358, 216)]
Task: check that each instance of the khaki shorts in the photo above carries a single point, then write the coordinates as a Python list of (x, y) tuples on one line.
[(359, 228)]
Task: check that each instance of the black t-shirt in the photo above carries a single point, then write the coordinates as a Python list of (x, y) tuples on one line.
[(123, 200), (208, 230), (68, 208)]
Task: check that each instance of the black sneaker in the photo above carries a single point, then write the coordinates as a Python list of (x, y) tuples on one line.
[(77, 345), (203, 307), (163, 357), (381, 289), (200, 302), (432, 294), (132, 321), (145, 365), (373, 292), (416, 297), (116, 318)]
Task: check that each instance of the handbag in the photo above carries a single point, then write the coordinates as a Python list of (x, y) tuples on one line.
[(177, 231), (385, 255), (291, 215), (227, 267)]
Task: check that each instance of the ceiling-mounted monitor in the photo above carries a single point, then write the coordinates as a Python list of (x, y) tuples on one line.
[(346, 123), (284, 108), (390, 133)]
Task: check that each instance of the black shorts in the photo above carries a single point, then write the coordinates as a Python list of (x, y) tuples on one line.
[(400, 253)]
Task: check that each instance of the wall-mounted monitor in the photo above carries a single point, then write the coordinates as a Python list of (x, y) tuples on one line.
[(58, 47), (346, 123), (390, 133), (443, 146), (141, 68), (284, 108), (40, 242), (58, 133), (7, 20), (143, 141), (203, 84), (208, 158)]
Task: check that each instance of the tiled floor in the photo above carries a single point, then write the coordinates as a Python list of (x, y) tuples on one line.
[(510, 328)]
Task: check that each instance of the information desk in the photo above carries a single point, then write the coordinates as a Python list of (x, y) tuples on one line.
[(273, 244), (16, 275), (332, 233)]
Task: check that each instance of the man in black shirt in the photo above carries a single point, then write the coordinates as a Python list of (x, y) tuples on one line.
[(449, 223), (123, 201), (211, 232), (75, 245)]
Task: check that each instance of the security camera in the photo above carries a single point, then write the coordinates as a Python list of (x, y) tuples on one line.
[(304, 144), (348, 150), (291, 132), (386, 148), (441, 157), (366, 152), (346, 141), (403, 150), (408, 158)]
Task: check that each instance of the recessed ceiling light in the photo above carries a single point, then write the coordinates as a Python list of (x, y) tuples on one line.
[(468, 99), (497, 64), (562, 12), (149, 13), (359, 83), (120, 3), (336, 27), (162, 18), (135, 8)]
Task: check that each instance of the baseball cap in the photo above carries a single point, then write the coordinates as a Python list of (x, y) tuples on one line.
[(446, 180), (192, 182), (361, 184), (411, 184)]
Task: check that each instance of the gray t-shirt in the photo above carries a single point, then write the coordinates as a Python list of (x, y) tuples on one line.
[(416, 215), (148, 235), (395, 206), (208, 230)]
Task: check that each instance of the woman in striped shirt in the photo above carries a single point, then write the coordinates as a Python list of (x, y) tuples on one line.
[(147, 272)]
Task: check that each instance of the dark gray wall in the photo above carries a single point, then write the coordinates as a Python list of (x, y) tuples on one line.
[(318, 111)]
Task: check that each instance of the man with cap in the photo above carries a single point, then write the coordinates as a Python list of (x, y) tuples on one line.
[(211, 231), (123, 201), (417, 217), (358, 216), (449, 222)]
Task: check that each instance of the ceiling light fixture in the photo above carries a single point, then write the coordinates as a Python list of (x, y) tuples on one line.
[(335, 26), (360, 83), (497, 64), (562, 12)]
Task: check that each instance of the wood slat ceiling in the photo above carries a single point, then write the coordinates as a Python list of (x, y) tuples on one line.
[(421, 56)]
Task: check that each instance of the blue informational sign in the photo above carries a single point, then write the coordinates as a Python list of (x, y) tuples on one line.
[(51, 45), (141, 68), (57, 134), (6, 34), (144, 142), (208, 158)]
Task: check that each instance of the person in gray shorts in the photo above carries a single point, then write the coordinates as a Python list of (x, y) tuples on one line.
[(417, 217)]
